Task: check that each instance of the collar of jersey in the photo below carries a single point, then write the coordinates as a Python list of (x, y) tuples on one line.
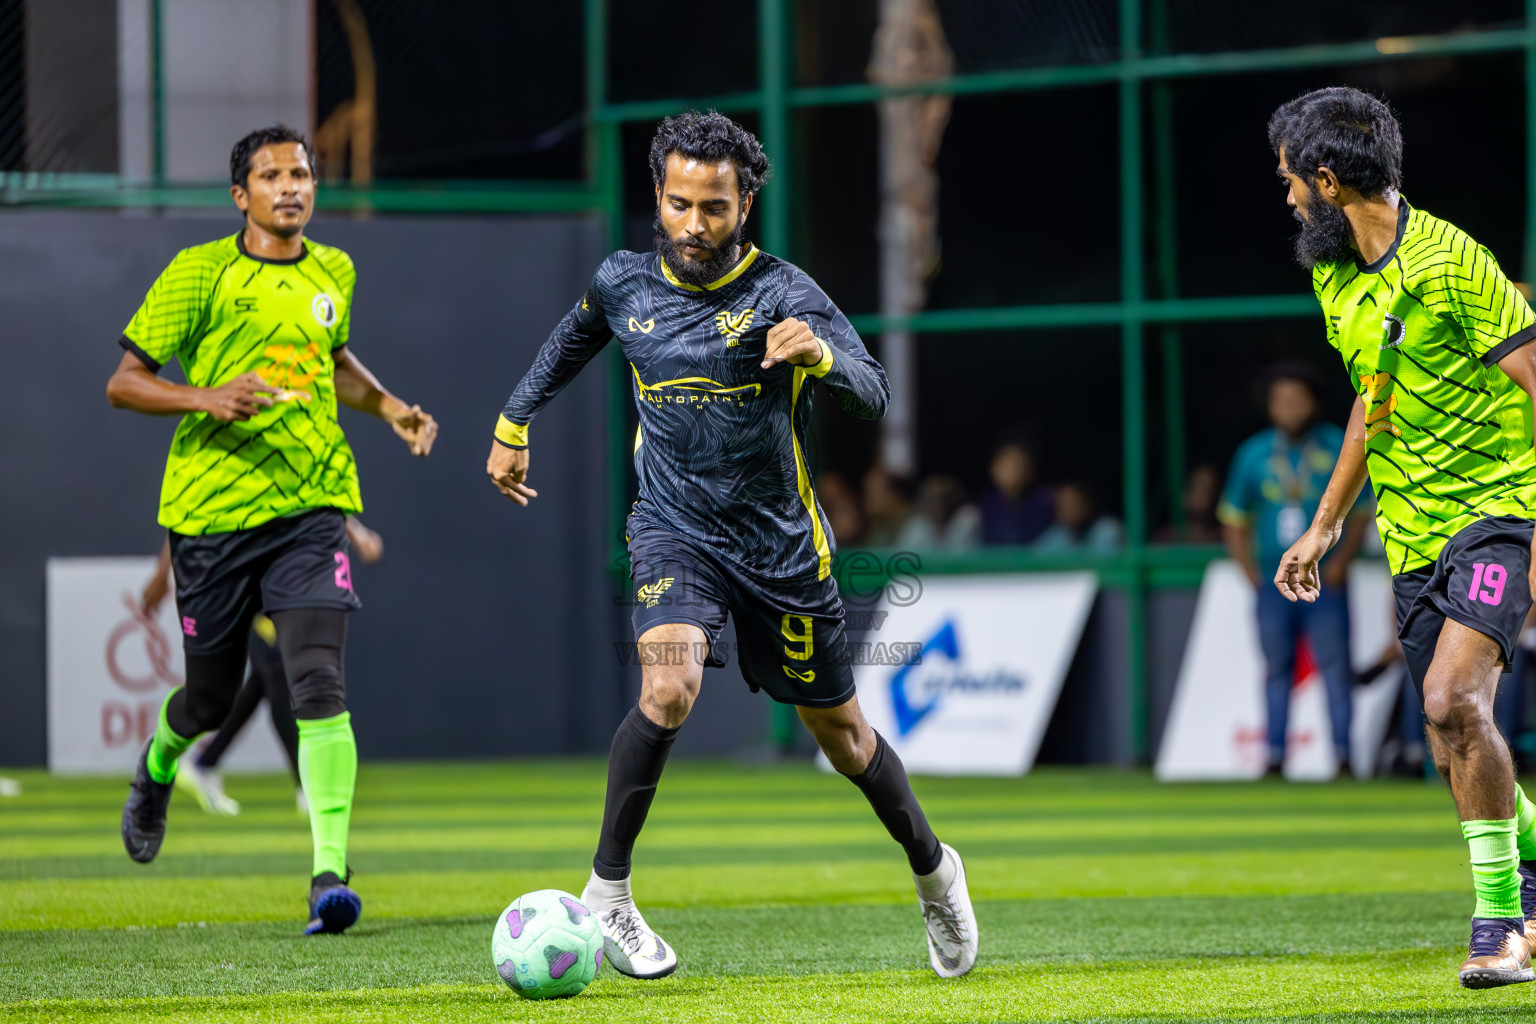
[(1376, 266), (240, 244), (720, 282)]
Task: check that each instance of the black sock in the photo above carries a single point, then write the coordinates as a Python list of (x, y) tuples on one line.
[(884, 784), (246, 700), (635, 761)]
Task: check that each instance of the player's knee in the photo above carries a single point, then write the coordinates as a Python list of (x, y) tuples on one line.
[(316, 684), (669, 696), (848, 745), (1451, 711)]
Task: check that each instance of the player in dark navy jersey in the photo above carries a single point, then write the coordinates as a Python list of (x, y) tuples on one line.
[(726, 344)]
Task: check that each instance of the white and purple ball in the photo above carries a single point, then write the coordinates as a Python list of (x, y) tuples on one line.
[(547, 945)]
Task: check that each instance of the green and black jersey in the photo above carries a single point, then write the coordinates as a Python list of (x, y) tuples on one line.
[(1421, 332), (223, 313)]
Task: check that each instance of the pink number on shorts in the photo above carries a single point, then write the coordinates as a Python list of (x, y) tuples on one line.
[(1477, 580), (343, 571), (1494, 576)]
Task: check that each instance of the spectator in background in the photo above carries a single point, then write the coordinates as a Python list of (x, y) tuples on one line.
[(1202, 489), (1273, 488), (887, 507), (841, 504), (1078, 526), (944, 521), (1016, 510)]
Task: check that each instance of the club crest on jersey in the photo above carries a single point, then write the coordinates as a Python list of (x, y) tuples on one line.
[(324, 308), (733, 325), (651, 592), (1394, 331), (643, 328)]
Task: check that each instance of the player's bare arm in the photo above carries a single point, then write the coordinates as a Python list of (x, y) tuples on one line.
[(1520, 367), (792, 341), (357, 388), (1297, 576), (135, 387)]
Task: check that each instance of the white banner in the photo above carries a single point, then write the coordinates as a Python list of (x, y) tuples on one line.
[(110, 668), (1216, 723), (995, 650)]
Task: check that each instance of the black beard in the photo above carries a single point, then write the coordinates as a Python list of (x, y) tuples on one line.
[(698, 272), (1325, 236)]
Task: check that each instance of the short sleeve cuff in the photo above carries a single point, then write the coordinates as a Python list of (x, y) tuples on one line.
[(144, 357), (1508, 345), (1230, 515), (821, 368), (513, 435)]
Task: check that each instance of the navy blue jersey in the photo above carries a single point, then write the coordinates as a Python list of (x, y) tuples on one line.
[(721, 447)]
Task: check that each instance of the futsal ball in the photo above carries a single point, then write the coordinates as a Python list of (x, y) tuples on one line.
[(547, 945)]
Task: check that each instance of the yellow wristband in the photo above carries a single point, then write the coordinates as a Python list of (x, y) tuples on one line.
[(513, 434), (821, 368)]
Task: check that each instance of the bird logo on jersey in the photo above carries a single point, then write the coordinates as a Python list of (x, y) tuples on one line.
[(651, 593), (733, 325), (643, 328)]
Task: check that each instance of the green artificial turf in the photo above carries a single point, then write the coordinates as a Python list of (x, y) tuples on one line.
[(1100, 896)]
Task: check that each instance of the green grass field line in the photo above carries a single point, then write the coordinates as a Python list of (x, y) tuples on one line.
[(1403, 981), (1102, 895)]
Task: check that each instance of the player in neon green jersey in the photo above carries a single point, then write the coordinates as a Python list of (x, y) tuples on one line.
[(1436, 341), (258, 484)]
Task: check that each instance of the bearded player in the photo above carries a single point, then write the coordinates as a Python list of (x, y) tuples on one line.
[(726, 345), (258, 485), (1436, 341)]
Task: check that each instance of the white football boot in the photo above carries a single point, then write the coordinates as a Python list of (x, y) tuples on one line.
[(946, 906), (206, 787), (628, 942)]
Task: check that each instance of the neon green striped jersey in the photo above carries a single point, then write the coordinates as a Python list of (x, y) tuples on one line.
[(1421, 332), (223, 313)]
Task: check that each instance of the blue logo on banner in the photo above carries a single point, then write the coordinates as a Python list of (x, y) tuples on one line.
[(914, 698), (909, 715)]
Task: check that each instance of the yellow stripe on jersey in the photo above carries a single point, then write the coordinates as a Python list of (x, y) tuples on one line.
[(821, 368), (803, 480), (720, 282)]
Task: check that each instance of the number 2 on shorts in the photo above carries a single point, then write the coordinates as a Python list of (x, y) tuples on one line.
[(1494, 576), (801, 636)]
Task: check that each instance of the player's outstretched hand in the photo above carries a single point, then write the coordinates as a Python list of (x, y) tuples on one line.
[(507, 468), (416, 428), (240, 399), (1297, 577), (791, 341)]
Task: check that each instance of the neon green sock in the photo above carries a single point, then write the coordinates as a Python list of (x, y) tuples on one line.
[(1495, 867), (165, 748), (1525, 825), (328, 771)]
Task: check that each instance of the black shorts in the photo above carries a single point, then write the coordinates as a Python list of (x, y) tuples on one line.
[(790, 638), (224, 579), (1480, 580)]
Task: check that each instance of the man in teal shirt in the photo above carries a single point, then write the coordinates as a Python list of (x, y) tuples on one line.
[(1276, 481)]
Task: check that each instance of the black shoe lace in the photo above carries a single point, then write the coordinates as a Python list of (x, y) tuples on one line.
[(938, 914), (625, 924), (1488, 936)]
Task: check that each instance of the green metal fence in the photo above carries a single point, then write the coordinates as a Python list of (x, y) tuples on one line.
[(1143, 64)]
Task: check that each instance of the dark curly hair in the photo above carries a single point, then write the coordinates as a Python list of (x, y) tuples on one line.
[(240, 156), (710, 136), (1350, 132)]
